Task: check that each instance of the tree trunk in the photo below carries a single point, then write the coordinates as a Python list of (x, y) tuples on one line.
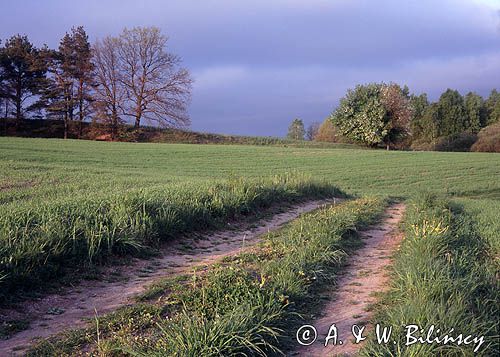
[(138, 112), (18, 104), (114, 124), (65, 125), (6, 116), (71, 106), (80, 108), (80, 129), (18, 110)]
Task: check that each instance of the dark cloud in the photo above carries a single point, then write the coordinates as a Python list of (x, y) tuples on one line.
[(258, 64)]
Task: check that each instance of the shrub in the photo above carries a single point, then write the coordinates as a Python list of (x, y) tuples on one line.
[(374, 114), (422, 145), (456, 142), (327, 132), (488, 139)]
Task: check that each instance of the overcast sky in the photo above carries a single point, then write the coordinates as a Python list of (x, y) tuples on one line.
[(258, 64)]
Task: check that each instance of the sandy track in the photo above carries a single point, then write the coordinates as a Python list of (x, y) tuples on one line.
[(365, 275), (79, 303)]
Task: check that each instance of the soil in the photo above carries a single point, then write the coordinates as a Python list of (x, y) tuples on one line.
[(357, 289), (6, 186), (72, 307)]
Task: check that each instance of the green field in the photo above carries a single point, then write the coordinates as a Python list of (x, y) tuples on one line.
[(50, 176), (65, 203), (36, 169)]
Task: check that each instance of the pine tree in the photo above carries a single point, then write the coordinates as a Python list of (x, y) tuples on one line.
[(58, 94), (82, 73), (296, 130), (453, 117), (4, 103), (476, 112), (71, 79), (22, 74)]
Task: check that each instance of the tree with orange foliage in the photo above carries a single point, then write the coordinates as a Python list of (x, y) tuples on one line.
[(326, 132)]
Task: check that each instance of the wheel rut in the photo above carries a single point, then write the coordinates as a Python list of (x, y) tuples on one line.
[(356, 290)]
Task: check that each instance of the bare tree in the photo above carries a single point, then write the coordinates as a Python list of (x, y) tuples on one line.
[(157, 88), (312, 130), (109, 96)]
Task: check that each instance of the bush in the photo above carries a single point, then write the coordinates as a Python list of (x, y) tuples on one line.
[(374, 114), (422, 145), (456, 142), (328, 133), (488, 139)]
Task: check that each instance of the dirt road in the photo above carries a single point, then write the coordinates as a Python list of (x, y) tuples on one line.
[(57, 312), (364, 277)]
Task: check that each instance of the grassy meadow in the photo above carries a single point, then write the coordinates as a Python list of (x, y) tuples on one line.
[(34, 170), (47, 178), (81, 201)]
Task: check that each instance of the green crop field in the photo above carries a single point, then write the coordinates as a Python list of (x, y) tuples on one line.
[(37, 172), (34, 171), (65, 202), (39, 169)]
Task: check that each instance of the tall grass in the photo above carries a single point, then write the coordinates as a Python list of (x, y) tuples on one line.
[(442, 276), (485, 213), (36, 242)]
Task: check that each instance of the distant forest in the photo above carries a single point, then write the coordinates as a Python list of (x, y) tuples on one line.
[(380, 114)]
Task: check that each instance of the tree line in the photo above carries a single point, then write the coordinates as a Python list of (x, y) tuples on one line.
[(131, 76), (381, 114)]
